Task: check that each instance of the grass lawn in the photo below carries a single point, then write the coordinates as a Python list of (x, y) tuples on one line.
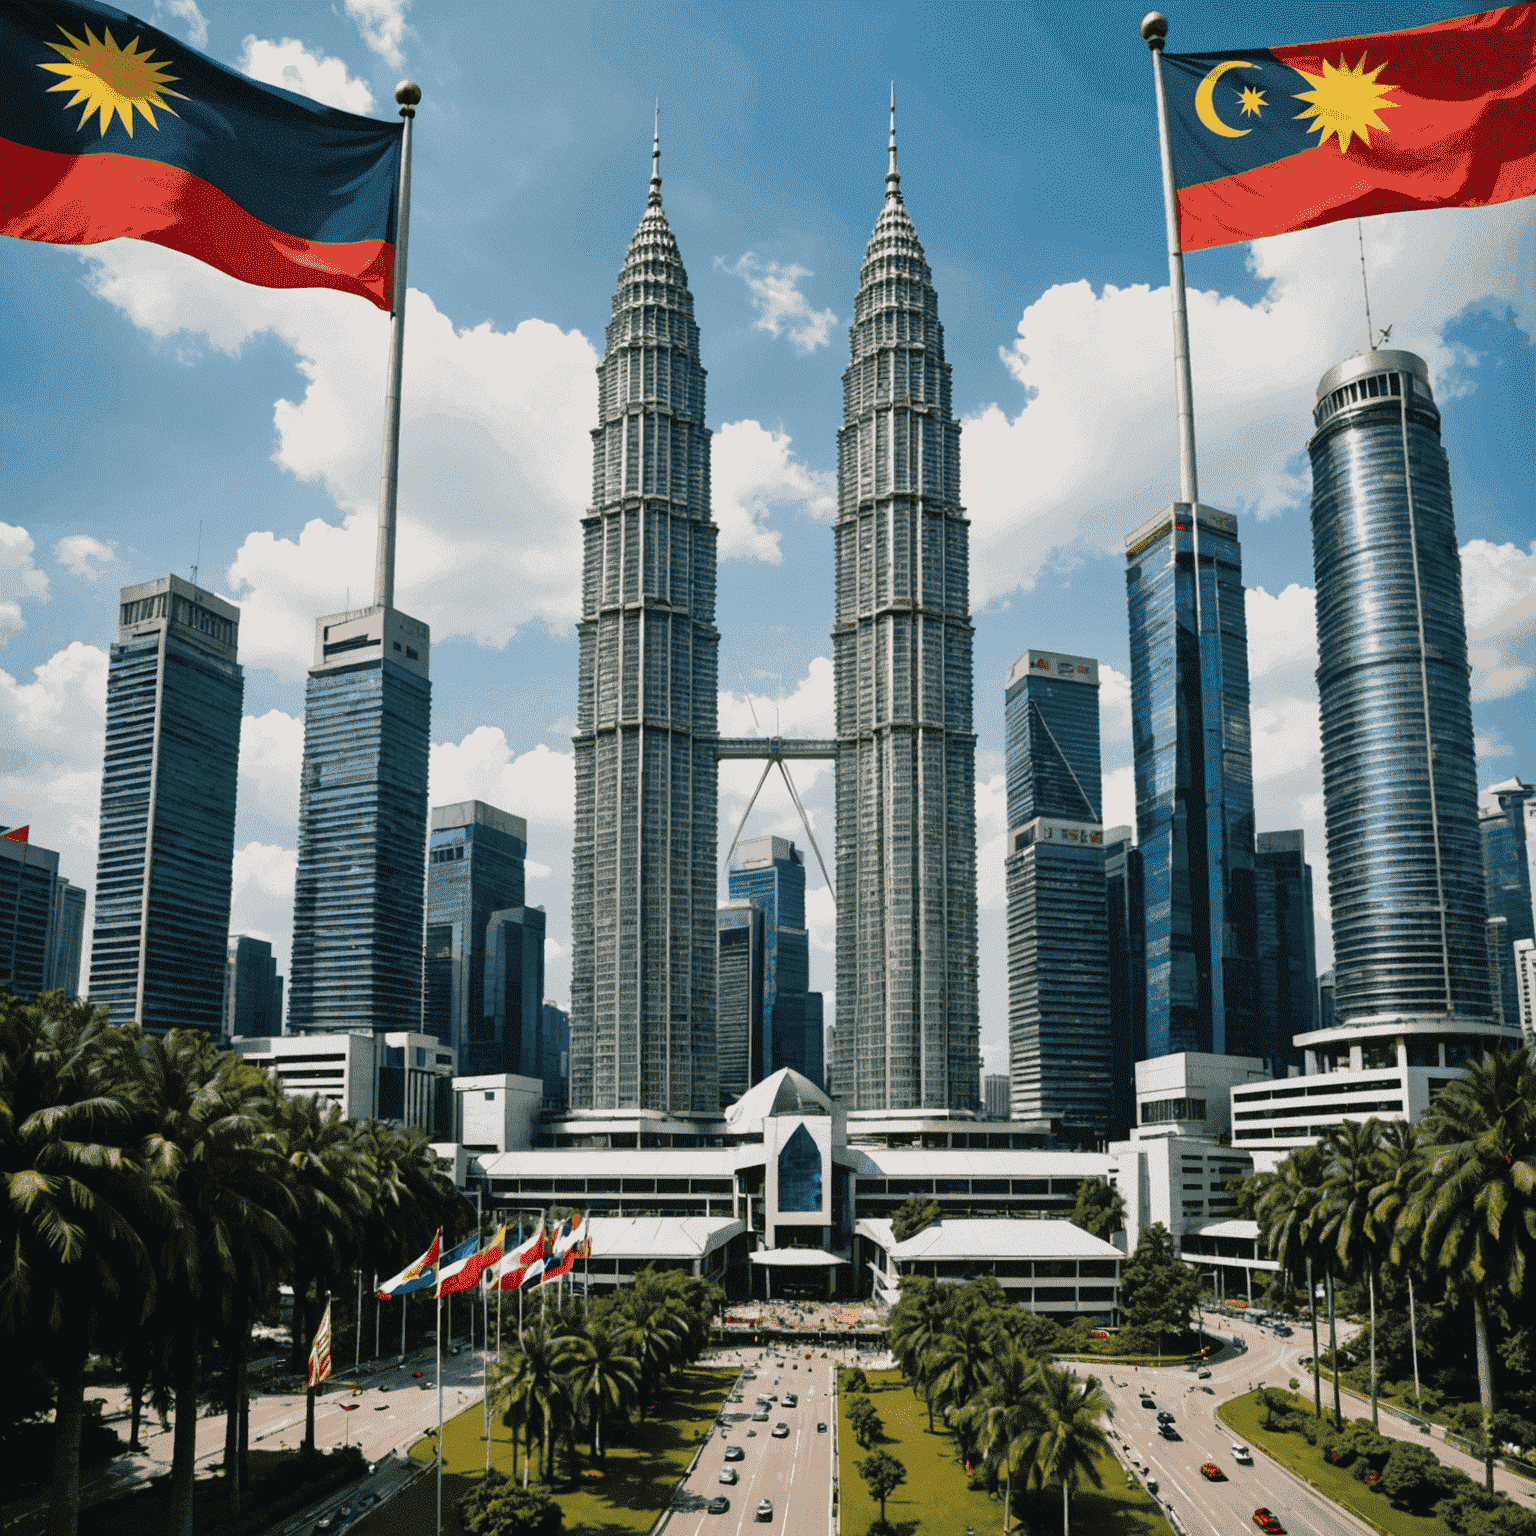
[(643, 1465), (1291, 1450), (934, 1501)]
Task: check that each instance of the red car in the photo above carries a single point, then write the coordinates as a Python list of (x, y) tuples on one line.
[(1265, 1520), (1212, 1473)]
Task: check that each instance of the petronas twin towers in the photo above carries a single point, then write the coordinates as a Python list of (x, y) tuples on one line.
[(646, 845)]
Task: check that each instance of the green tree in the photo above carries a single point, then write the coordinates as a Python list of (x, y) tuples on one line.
[(1284, 1204), (530, 1379), (910, 1219), (651, 1332), (882, 1475), (1004, 1418), (1400, 1163), (1072, 1412), (1346, 1216), (956, 1365), (866, 1423), (855, 1381), (1157, 1290), (1413, 1476), (78, 1272), (495, 1507), (603, 1379), (1473, 1211), (918, 1322), (1099, 1209)]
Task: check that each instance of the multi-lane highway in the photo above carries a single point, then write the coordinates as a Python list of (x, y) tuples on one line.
[(793, 1473)]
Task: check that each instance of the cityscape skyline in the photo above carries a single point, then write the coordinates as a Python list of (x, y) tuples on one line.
[(545, 843)]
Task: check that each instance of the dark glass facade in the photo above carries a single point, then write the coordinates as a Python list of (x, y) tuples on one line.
[(253, 991), (770, 871), (166, 847), (1060, 1038), (1287, 947), (1127, 940), (800, 1173), (509, 1035), (555, 1054), (1194, 782), (1405, 866), (739, 1012), (1051, 738), (358, 898), (29, 879), (1507, 870), (643, 886)]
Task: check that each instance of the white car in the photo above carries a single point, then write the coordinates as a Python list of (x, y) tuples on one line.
[(1242, 1455)]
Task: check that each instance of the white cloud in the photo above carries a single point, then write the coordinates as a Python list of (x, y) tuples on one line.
[(805, 712), (1498, 585), (271, 756), (382, 25), (1120, 798), (197, 23), (20, 581), (261, 897), (1488, 744), (292, 66), (991, 842), (495, 464), (781, 307), (82, 556), (539, 785), (752, 470), (1097, 427)]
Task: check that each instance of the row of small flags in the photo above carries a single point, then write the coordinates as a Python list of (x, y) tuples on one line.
[(543, 1258)]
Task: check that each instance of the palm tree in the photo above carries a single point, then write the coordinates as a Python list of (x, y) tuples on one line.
[(78, 1268), (1401, 1163), (1284, 1204), (918, 1323), (1347, 1213), (651, 1333), (1003, 1419), (956, 1363), (602, 1378), (529, 1380), (1072, 1439), (208, 1143), (1473, 1210)]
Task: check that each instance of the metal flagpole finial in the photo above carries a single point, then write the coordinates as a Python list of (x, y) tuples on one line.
[(1154, 30), (893, 176), (408, 95)]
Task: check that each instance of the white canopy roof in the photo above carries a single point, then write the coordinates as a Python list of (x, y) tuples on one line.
[(786, 1092), (660, 1237), (980, 1238), (796, 1258)]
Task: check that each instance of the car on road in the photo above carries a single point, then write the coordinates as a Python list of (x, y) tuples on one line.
[(1212, 1473), (781, 1430), (366, 1501), (1283, 1331), (1165, 1417), (1167, 1431), (1203, 1376), (821, 1428), (765, 1509), (328, 1521), (1242, 1455), (1147, 1402), (761, 1416), (719, 1504), (730, 1475), (735, 1453), (791, 1400), (1266, 1522)]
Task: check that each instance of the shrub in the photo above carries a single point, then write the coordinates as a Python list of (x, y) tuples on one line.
[(1413, 1476), (855, 1381)]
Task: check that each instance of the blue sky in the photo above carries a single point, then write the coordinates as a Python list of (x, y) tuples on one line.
[(148, 403)]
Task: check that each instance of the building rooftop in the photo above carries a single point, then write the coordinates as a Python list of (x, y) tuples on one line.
[(962, 1163), (786, 1092), (660, 1237), (991, 1239), (602, 1162)]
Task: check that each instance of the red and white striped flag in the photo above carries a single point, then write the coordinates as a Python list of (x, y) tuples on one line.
[(320, 1350)]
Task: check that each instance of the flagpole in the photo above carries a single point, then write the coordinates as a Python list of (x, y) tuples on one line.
[(378, 1319), (407, 94), (439, 1289), (1154, 31), (357, 1350)]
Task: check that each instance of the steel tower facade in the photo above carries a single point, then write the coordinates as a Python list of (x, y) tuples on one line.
[(643, 897), (1405, 867), (907, 1022)]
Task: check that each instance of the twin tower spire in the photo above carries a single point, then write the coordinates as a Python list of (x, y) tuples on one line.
[(645, 876)]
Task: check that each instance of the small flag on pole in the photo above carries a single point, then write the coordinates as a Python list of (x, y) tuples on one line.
[(510, 1273), (464, 1274), (320, 1350), (414, 1277)]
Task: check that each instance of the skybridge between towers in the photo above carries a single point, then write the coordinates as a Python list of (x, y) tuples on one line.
[(770, 750)]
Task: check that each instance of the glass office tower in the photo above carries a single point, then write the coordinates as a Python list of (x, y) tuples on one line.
[(1127, 975), (908, 1027), (1060, 1045), (739, 1013), (1507, 870), (771, 872), (643, 883), (1287, 947), (253, 991), (1405, 866), (1194, 781), (166, 848), (357, 902)]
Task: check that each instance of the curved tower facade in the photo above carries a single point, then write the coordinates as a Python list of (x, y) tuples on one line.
[(1405, 869), (643, 897), (907, 1023)]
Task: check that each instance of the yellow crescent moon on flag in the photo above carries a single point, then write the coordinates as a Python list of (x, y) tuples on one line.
[(1205, 98)]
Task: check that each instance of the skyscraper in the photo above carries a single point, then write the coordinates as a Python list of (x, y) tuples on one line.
[(357, 901), (1507, 870), (1194, 781), (739, 1038), (1127, 931), (1060, 1047), (253, 991), (1405, 868), (907, 1021), (476, 879), (771, 871), (555, 1055), (643, 877), (66, 938), (167, 842), (1287, 947), (994, 1095), (29, 881)]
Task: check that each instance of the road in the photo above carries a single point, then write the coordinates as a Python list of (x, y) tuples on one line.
[(1221, 1508), (795, 1473)]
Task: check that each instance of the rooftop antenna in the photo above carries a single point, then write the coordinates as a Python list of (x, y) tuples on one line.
[(892, 176), (656, 157), (1370, 333), (197, 564)]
